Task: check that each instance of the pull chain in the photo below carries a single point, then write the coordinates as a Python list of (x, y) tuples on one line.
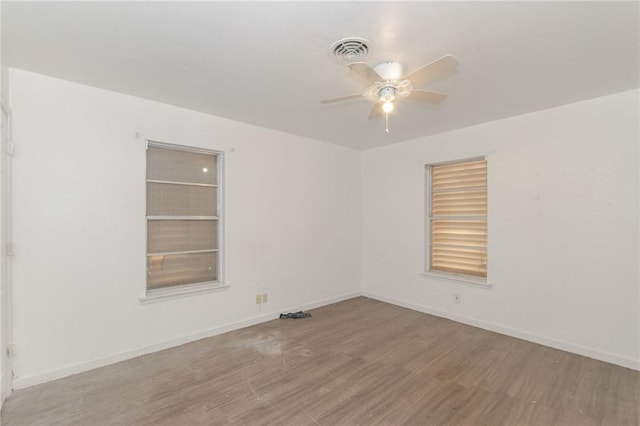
[(386, 129)]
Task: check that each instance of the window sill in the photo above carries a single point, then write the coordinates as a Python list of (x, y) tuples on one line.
[(170, 293), (460, 279)]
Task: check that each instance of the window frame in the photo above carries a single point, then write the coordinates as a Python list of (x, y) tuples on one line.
[(170, 292), (426, 269)]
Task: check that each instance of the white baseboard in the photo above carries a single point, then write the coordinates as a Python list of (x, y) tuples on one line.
[(23, 382), (546, 341)]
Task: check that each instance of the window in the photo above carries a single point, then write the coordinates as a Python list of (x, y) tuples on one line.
[(183, 216), (457, 218)]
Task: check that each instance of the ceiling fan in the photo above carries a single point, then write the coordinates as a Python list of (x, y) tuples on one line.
[(387, 85)]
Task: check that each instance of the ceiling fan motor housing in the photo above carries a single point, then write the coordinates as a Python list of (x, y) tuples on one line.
[(389, 70)]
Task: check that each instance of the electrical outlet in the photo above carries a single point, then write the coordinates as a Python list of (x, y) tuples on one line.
[(457, 298), (258, 299), (265, 298)]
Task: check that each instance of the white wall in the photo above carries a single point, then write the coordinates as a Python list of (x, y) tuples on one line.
[(5, 293), (5, 261), (563, 227), (292, 226)]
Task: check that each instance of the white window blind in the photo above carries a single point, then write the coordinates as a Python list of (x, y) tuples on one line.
[(183, 205), (458, 218)]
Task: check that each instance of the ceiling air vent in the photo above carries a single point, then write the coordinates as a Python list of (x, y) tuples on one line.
[(349, 50)]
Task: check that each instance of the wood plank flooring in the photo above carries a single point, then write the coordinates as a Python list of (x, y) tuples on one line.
[(356, 362)]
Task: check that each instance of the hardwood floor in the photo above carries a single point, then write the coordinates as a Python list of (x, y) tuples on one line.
[(356, 362)]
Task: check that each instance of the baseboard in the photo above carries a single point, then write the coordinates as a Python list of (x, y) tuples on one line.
[(24, 382), (546, 341)]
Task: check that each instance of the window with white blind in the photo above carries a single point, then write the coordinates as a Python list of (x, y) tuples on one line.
[(457, 218), (183, 216)]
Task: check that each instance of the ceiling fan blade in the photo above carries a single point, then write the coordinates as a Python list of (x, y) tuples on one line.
[(436, 70), (423, 95), (341, 98), (376, 111), (365, 72)]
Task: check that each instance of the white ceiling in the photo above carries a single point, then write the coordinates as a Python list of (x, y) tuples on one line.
[(267, 63)]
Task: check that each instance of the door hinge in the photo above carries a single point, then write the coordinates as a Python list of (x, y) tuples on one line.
[(11, 149), (11, 249), (11, 350)]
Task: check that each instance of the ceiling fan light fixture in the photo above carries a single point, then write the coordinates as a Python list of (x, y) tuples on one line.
[(387, 94), (387, 107)]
